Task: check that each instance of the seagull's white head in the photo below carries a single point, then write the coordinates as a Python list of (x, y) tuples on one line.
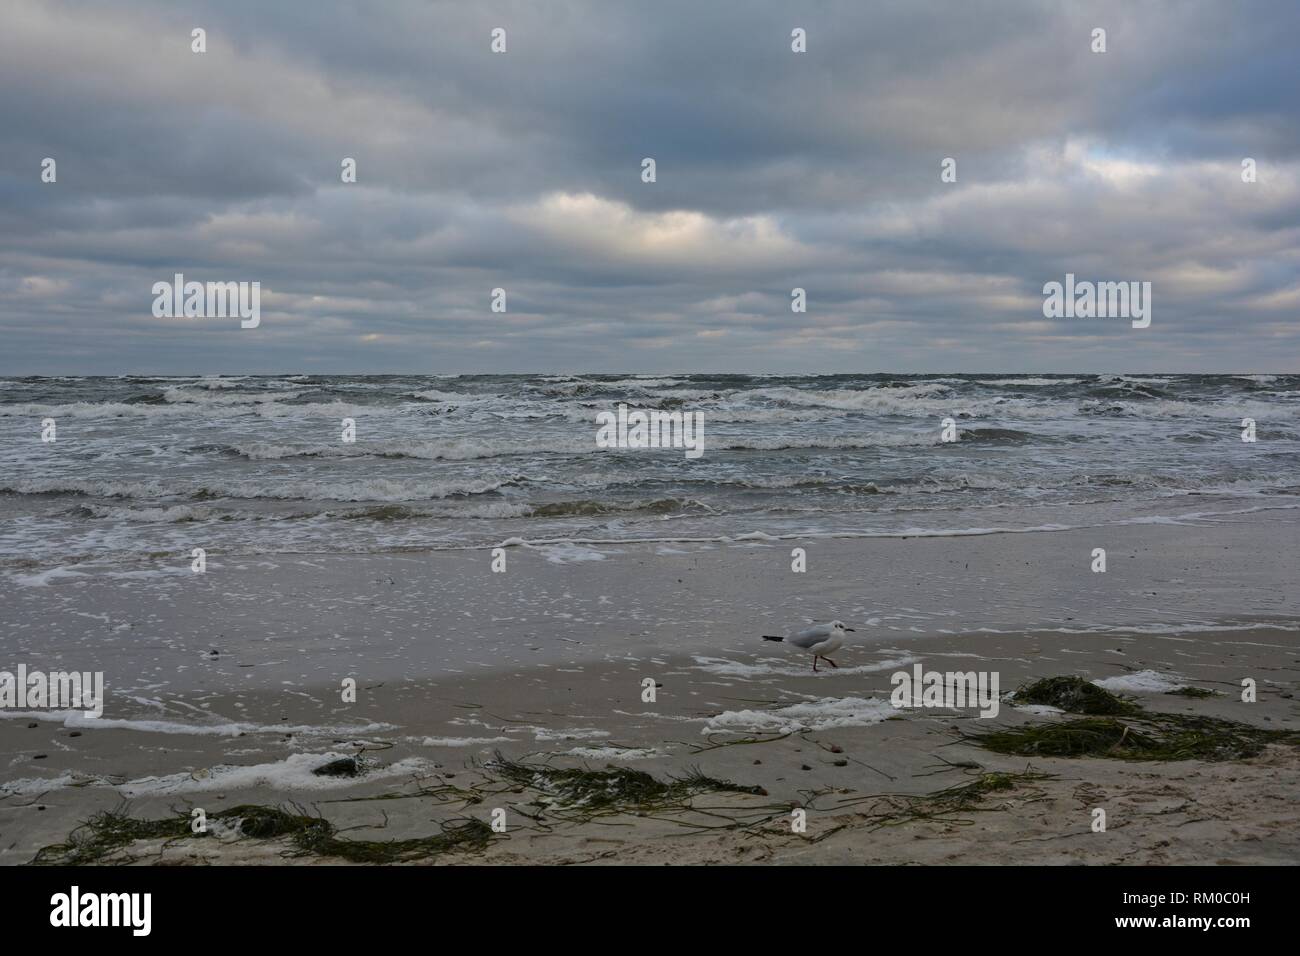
[(839, 626)]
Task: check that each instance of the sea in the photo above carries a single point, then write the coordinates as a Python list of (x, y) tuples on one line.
[(143, 469)]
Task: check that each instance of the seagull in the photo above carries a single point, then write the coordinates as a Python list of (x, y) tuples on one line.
[(819, 640)]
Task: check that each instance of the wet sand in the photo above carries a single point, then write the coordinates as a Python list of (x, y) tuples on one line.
[(548, 662)]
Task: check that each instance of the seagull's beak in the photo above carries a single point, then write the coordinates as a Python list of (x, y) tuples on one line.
[(850, 629)]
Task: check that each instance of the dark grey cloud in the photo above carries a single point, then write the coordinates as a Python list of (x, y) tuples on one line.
[(522, 171)]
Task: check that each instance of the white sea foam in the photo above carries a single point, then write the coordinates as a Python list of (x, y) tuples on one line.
[(548, 734), (613, 753), (92, 410), (566, 552), (169, 514), (40, 579), (868, 440), (462, 449), (855, 399), (77, 720), (362, 489), (456, 398), (772, 667), (639, 382), (1034, 382), (295, 772), (1039, 710), (208, 397), (823, 714), (1142, 682)]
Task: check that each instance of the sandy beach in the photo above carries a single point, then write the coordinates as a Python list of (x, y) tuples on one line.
[(457, 667)]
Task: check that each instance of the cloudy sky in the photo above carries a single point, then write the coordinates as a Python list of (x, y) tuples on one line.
[(522, 170)]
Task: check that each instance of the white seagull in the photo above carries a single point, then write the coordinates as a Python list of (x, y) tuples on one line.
[(818, 640)]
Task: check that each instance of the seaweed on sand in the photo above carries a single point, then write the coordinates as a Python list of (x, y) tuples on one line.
[(566, 795), (950, 805), (1195, 692), (106, 832), (455, 836), (1075, 695), (1123, 730), (582, 794), (105, 837), (1086, 737)]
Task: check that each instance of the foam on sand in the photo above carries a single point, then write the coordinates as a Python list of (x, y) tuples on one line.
[(822, 714), (1143, 682), (1039, 710), (546, 734), (613, 753), (771, 667), (295, 772)]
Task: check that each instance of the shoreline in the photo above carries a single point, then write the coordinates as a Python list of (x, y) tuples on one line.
[(261, 621), (454, 664), (797, 734)]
